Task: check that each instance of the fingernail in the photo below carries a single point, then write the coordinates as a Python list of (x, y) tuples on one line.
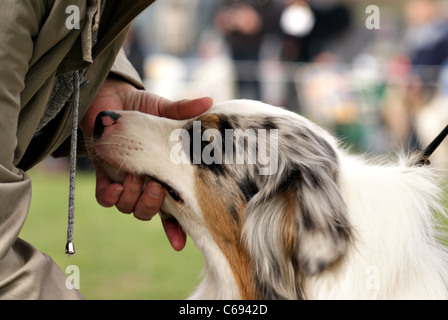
[(118, 191), (155, 190)]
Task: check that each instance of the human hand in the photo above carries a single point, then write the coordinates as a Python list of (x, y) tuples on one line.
[(128, 197)]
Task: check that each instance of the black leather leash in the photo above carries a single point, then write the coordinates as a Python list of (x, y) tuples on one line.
[(426, 153)]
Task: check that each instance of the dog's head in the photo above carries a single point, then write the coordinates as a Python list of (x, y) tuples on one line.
[(255, 186)]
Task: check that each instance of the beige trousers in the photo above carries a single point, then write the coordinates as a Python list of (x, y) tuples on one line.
[(25, 272)]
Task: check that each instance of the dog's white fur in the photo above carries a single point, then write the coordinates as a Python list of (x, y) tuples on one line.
[(395, 254), (348, 229)]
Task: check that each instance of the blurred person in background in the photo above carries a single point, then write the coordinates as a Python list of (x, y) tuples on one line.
[(323, 23), (311, 31), (426, 46), (60, 60), (245, 25), (134, 52), (427, 95), (426, 39)]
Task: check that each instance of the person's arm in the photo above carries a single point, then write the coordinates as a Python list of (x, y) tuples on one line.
[(25, 273), (19, 24)]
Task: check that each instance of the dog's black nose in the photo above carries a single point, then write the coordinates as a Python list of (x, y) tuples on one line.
[(104, 119)]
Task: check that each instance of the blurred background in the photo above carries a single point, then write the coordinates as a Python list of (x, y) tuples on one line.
[(378, 89), (378, 80)]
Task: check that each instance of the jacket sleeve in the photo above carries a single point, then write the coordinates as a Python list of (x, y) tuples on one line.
[(123, 68), (19, 24), (25, 273)]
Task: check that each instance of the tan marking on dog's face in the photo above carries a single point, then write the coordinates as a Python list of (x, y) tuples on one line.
[(226, 229), (209, 121)]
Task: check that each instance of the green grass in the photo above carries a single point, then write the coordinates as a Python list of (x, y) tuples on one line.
[(119, 257), (443, 220)]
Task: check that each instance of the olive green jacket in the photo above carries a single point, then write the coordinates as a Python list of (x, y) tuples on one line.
[(39, 42)]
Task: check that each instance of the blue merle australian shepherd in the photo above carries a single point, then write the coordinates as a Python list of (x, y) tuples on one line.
[(279, 210)]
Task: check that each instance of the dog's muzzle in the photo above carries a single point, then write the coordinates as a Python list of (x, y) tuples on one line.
[(109, 118)]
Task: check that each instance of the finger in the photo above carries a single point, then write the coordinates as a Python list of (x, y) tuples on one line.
[(186, 109), (176, 235), (149, 202), (183, 109), (132, 185), (107, 192)]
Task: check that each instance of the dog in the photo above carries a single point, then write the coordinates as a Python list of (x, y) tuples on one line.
[(297, 217)]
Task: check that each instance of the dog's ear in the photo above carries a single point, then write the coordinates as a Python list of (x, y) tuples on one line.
[(297, 223), (320, 219)]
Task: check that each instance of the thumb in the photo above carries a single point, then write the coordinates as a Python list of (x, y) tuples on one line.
[(178, 110), (185, 109)]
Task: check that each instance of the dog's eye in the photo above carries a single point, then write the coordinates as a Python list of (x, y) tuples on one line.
[(174, 195)]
